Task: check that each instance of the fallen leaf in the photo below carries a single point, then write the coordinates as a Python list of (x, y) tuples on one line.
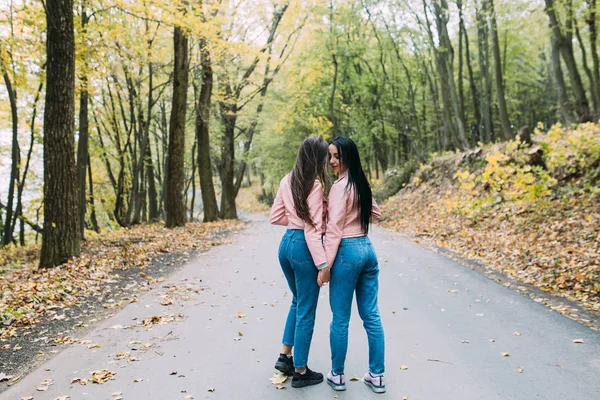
[(211, 389), (189, 396), (279, 387), (173, 373), (516, 333), (354, 379), (136, 380), (577, 340), (520, 370), (63, 397), (506, 354), (278, 379), (101, 376), (240, 314), (27, 398), (41, 388), (404, 367), (94, 346), (240, 334), (464, 341)]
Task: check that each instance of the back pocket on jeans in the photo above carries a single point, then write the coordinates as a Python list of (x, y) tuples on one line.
[(299, 253), (352, 256)]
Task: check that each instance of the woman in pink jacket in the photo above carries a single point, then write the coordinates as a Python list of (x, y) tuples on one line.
[(299, 206), (354, 266)]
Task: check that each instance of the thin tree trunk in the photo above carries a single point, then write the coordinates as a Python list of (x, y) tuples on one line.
[(498, 78), (485, 124), (461, 90), (175, 206), (205, 170), (591, 21), (193, 179), (19, 209), (228, 117), (15, 160), (565, 45), (60, 240), (561, 88), (472, 85), (93, 217), (587, 69), (82, 145)]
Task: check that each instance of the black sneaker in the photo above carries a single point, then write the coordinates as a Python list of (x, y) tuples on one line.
[(285, 365), (306, 379)]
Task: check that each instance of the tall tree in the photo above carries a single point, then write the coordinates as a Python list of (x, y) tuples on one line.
[(60, 239), (485, 125), (203, 105), (229, 108), (82, 144), (498, 77), (591, 21), (564, 41), (175, 176), (15, 153)]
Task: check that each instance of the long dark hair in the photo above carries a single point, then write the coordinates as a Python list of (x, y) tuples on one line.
[(363, 197), (310, 164)]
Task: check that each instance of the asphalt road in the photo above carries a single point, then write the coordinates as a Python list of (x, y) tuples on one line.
[(446, 327)]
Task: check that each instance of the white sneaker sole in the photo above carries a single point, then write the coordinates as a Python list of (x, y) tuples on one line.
[(376, 389), (335, 386)]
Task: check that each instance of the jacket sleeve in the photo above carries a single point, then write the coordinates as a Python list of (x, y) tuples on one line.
[(336, 218), (313, 233), (375, 211), (278, 214)]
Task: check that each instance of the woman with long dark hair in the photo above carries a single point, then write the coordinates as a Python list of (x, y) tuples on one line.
[(354, 266), (299, 206)]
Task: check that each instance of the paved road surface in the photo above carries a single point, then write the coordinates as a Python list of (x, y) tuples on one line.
[(448, 324)]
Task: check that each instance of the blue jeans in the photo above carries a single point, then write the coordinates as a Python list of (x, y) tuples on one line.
[(301, 274), (355, 270)]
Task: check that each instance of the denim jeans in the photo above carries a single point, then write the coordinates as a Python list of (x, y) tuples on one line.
[(355, 270), (301, 274)]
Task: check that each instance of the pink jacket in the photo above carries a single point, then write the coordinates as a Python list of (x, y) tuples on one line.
[(343, 220), (283, 212)]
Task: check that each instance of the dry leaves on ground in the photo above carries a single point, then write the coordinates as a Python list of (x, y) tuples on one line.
[(29, 293), (541, 232)]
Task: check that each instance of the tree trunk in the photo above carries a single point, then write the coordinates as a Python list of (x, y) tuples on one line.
[(82, 145), (15, 160), (506, 129), (174, 205), (229, 117), (485, 124), (561, 88), (565, 45), (591, 21), (60, 240), (205, 171), (461, 90), (93, 217), (587, 69), (472, 85)]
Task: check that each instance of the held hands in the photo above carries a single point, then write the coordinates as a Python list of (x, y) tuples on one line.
[(324, 276)]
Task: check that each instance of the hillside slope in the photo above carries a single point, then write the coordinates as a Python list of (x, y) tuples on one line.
[(528, 209)]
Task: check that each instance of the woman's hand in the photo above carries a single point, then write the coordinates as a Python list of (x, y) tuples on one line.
[(324, 276)]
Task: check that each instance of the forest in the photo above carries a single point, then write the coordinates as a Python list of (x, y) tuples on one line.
[(115, 113)]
